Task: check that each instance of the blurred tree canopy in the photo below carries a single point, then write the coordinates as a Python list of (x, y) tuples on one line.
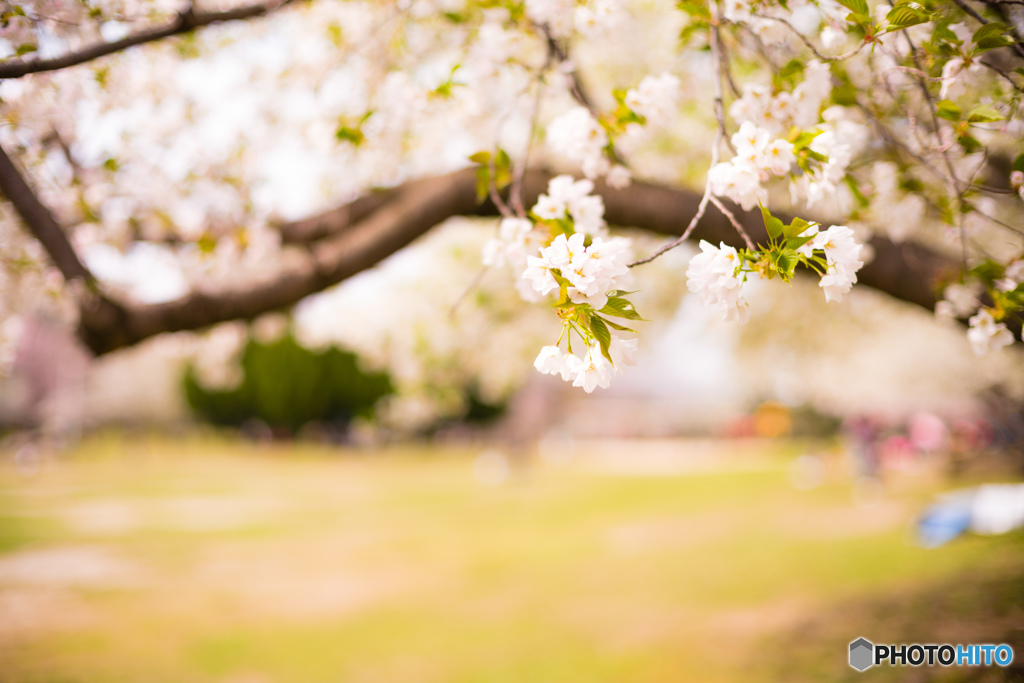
[(287, 385)]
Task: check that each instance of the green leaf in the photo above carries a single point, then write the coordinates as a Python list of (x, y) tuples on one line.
[(905, 15), (483, 183), (502, 169), (794, 229), (797, 242), (969, 143), (802, 138), (481, 157), (817, 156), (990, 36), (620, 328), (772, 224), (856, 6), (620, 308), (1018, 163), (987, 271), (621, 293), (601, 333), (350, 134), (788, 74), (25, 49), (984, 113), (785, 261), (563, 298), (948, 110)]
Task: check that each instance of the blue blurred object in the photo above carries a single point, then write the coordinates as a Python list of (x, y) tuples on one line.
[(944, 521)]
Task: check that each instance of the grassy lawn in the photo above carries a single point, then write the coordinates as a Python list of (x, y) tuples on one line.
[(200, 559)]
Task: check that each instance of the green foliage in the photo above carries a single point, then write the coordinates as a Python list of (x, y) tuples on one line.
[(991, 36), (444, 91), (496, 168), (699, 19), (907, 14), (948, 110), (352, 132), (287, 385), (780, 258), (806, 158), (789, 75), (480, 411)]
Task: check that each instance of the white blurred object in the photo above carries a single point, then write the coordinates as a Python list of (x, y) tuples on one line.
[(997, 508)]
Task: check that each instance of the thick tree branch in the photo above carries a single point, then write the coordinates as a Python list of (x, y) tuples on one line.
[(40, 222), (350, 248), (357, 236), (183, 23), (336, 220)]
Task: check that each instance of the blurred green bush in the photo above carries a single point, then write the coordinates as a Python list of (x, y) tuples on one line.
[(286, 385)]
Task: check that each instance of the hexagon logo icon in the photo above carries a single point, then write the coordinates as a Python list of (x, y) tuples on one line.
[(861, 654)]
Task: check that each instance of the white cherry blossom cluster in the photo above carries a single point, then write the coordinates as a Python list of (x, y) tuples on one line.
[(717, 275), (591, 270), (655, 98), (779, 112), (591, 371), (842, 256), (569, 198), (840, 141), (758, 157), (577, 135), (580, 264), (562, 17), (985, 333)]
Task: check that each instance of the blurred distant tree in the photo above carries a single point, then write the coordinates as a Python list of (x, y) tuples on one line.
[(286, 385), (902, 120)]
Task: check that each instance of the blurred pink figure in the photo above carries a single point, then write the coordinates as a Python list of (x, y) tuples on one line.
[(928, 433)]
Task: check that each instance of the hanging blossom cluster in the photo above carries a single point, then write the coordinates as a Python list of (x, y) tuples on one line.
[(563, 251), (1003, 285), (579, 136), (758, 157), (718, 274), (821, 144)]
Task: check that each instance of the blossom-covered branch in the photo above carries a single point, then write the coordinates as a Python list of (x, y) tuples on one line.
[(183, 23)]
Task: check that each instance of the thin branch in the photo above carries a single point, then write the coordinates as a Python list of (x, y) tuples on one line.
[(719, 101), (1002, 73), (40, 222), (701, 208), (716, 56), (516, 193), (996, 220), (576, 88), (810, 45), (735, 223), (183, 23)]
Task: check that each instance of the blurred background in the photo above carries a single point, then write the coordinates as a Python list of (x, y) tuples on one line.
[(376, 485)]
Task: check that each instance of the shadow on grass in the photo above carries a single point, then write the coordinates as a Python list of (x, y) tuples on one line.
[(985, 607)]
